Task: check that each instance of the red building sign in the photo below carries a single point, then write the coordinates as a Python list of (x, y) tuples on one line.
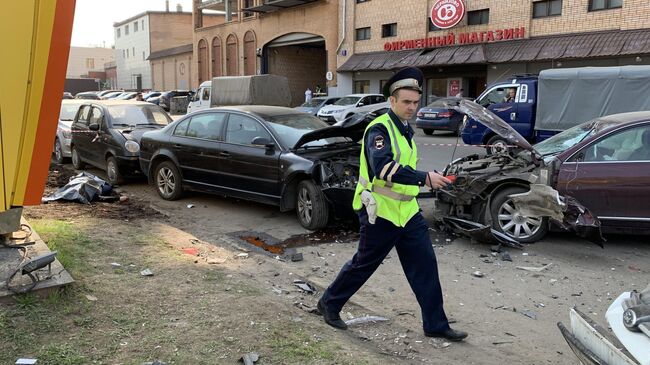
[(452, 39), (447, 13)]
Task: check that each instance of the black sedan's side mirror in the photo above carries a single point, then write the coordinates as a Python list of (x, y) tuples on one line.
[(262, 141), (94, 127)]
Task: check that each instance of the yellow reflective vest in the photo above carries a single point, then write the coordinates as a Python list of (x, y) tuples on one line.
[(395, 202)]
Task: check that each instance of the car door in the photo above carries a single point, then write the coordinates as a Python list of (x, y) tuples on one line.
[(249, 168), (611, 177), (100, 138), (196, 143), (81, 134), (495, 101)]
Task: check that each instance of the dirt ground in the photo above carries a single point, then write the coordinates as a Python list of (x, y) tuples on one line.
[(214, 297)]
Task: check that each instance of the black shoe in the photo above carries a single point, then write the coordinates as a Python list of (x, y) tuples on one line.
[(331, 318), (450, 334)]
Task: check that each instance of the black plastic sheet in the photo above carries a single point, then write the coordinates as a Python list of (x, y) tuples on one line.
[(83, 188)]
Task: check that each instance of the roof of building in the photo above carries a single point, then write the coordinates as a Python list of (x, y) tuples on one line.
[(556, 47), (150, 12), (187, 48)]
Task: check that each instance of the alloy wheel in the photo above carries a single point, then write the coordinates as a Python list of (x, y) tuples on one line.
[(305, 205), (166, 181), (515, 224)]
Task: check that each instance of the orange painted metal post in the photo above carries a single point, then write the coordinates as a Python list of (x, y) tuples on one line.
[(32, 76)]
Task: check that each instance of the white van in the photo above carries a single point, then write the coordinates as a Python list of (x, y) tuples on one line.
[(200, 100)]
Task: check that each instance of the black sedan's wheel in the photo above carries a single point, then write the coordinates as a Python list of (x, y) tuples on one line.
[(311, 207), (113, 174), (428, 132), (507, 218), (76, 159), (168, 181), (58, 152), (496, 145)]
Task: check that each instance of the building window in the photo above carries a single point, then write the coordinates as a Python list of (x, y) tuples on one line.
[(604, 4), (389, 30), (119, 31), (135, 27), (90, 63), (127, 53), (133, 52), (126, 29), (123, 54), (382, 83), (542, 9), (478, 17), (143, 55), (248, 4), (362, 87), (363, 34), (142, 21), (432, 27)]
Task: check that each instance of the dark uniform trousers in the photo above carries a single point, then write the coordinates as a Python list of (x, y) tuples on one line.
[(416, 255)]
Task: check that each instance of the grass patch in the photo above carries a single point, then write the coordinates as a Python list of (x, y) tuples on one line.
[(60, 354), (72, 244)]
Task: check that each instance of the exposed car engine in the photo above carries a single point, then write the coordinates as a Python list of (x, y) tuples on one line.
[(339, 172)]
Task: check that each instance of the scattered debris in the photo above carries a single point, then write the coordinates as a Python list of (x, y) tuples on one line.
[(306, 307), (535, 269), (214, 261), (115, 265), (501, 342), (26, 361), (403, 313), (305, 286), (190, 206), (529, 314), (250, 358), (365, 319), (478, 274), (156, 362), (505, 256), (296, 257), (192, 251), (483, 255), (91, 298), (146, 272), (242, 255)]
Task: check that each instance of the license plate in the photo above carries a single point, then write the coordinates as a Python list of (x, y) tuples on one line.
[(323, 118), (430, 115)]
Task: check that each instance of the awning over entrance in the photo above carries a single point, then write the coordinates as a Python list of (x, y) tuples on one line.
[(296, 38), (269, 6), (570, 46)]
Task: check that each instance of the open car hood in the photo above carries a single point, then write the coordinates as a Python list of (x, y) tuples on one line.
[(492, 121), (352, 127)]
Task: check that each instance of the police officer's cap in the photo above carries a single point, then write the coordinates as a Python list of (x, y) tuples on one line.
[(407, 78)]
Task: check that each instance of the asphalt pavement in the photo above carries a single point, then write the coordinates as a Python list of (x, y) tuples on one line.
[(438, 150)]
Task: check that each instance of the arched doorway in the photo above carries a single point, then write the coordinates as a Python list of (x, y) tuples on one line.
[(302, 59), (203, 61), (216, 57), (232, 56), (250, 58)]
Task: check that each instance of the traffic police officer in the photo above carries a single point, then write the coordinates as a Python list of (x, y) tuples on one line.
[(388, 185)]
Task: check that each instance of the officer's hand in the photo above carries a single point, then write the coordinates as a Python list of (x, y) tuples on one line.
[(436, 181)]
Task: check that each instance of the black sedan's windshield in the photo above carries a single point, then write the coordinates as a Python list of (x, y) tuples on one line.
[(140, 114), (289, 129)]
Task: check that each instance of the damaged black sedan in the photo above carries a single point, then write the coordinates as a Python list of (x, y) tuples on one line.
[(589, 179), (272, 155)]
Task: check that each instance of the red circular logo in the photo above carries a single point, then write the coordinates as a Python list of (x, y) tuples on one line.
[(447, 13)]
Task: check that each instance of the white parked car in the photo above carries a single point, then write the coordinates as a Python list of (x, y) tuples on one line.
[(349, 105), (63, 137)]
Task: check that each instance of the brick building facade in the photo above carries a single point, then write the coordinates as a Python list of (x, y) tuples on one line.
[(383, 35), (294, 38)]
